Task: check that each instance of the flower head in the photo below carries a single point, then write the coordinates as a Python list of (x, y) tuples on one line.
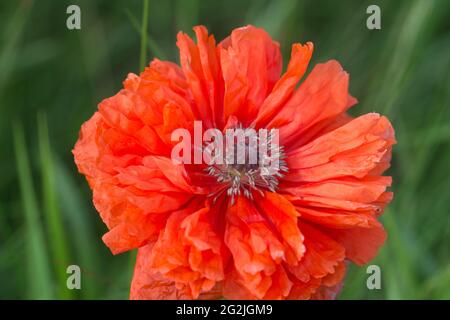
[(238, 230)]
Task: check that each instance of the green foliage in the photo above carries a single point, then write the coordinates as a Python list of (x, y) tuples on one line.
[(36, 255), (52, 78)]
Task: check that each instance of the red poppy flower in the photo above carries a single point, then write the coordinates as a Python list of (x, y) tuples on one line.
[(290, 240)]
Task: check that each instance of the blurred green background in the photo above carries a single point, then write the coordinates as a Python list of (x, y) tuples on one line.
[(52, 78)]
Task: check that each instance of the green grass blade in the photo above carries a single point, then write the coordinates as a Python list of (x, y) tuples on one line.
[(4, 229), (144, 24), (438, 286), (186, 14), (13, 31), (401, 259), (52, 213), (274, 16), (39, 274), (76, 213), (404, 43), (151, 44)]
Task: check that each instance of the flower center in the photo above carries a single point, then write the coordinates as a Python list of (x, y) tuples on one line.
[(251, 163)]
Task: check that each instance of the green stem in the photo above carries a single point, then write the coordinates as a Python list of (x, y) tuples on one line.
[(143, 56)]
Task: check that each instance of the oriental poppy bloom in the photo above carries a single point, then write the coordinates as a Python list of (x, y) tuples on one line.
[(287, 237)]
